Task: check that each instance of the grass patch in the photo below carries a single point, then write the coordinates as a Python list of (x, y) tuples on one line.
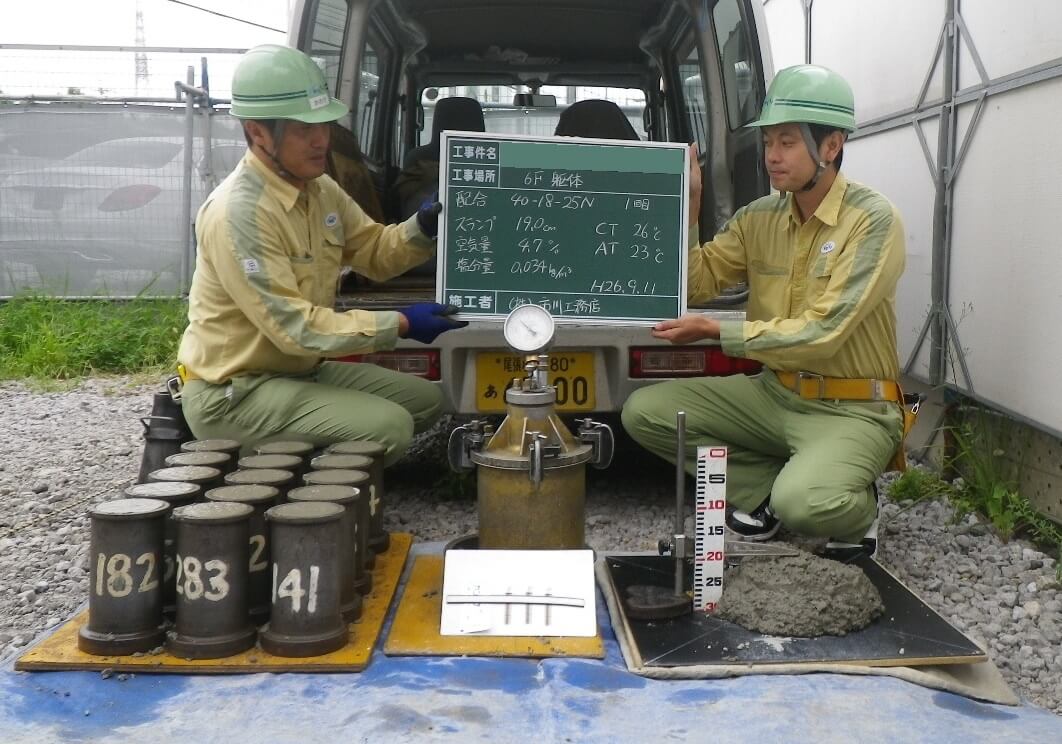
[(50, 339), (916, 484), (990, 476), (988, 481)]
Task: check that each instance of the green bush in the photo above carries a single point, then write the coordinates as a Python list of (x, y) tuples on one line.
[(47, 338)]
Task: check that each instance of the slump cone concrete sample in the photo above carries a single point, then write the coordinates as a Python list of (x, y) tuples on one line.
[(802, 596)]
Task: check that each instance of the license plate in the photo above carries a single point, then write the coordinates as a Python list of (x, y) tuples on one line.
[(571, 372)]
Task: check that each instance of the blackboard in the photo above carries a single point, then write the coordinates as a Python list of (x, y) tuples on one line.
[(592, 230)]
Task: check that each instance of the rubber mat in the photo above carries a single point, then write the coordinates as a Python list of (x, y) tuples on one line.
[(415, 630), (59, 651)]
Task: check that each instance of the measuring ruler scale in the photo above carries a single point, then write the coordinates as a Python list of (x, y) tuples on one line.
[(709, 528)]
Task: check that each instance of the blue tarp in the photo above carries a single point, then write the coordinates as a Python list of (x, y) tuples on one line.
[(499, 700)]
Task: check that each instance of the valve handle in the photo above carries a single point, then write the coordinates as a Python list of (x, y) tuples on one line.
[(537, 468)]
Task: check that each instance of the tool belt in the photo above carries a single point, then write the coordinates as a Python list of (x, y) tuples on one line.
[(819, 387)]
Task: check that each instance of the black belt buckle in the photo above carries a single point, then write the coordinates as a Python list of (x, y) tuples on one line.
[(174, 386)]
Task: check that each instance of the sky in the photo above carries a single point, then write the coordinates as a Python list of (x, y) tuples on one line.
[(113, 23)]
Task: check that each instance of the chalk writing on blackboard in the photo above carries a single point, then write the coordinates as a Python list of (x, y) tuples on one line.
[(592, 230)]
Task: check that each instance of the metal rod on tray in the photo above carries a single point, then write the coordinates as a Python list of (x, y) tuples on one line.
[(680, 497)]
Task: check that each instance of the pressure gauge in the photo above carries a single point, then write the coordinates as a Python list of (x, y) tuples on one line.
[(528, 329)]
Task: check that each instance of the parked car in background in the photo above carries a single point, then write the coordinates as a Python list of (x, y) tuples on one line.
[(107, 218)]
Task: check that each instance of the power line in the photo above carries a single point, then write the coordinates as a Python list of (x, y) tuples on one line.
[(231, 18)]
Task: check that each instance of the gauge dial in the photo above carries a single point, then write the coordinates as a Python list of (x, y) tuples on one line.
[(528, 328)]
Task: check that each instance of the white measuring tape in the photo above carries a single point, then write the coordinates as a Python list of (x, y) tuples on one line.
[(710, 528)]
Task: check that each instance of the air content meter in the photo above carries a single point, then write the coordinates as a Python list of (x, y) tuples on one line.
[(529, 329), (531, 481)]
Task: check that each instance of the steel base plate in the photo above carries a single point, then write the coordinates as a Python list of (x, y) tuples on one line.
[(909, 633), (217, 647), (119, 644), (351, 611), (650, 602), (281, 644), (378, 543)]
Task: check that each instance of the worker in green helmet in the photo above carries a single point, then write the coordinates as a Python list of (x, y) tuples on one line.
[(807, 437), (271, 241)]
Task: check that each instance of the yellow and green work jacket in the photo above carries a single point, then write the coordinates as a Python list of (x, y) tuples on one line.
[(265, 276), (822, 294)]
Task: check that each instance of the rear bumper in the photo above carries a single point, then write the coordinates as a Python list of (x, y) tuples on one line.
[(609, 345)]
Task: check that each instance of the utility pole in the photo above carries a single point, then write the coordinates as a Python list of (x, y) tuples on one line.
[(140, 58)]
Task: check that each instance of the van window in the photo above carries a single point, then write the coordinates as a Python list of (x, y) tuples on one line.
[(367, 97), (501, 117), (693, 99), (736, 63), (326, 41)]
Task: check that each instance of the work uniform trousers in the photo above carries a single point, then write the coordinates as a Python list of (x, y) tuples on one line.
[(815, 459), (335, 402)]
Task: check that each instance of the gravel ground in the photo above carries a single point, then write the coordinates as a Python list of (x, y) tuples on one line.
[(60, 452)]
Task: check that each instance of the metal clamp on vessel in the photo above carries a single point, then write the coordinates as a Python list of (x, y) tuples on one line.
[(599, 437), (463, 441)]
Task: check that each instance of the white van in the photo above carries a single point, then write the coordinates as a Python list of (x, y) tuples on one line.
[(677, 70)]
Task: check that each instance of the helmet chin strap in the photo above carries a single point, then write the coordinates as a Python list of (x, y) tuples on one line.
[(277, 133), (813, 150), (278, 136)]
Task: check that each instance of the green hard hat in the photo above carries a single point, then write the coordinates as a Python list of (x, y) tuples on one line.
[(278, 82), (808, 94)]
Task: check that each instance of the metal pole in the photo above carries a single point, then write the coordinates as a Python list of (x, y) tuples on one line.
[(680, 497), (208, 175), (945, 150), (186, 201), (807, 31)]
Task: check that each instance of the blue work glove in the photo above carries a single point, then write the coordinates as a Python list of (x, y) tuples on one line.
[(428, 319), (428, 216)]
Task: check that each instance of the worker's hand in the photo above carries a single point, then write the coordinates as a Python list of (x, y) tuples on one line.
[(426, 320), (687, 329), (695, 185), (428, 216)]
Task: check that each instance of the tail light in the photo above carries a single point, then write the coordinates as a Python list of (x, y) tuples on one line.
[(129, 197), (687, 361), (419, 363)]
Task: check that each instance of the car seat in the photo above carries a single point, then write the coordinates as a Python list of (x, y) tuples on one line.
[(456, 112), (420, 169), (595, 118)]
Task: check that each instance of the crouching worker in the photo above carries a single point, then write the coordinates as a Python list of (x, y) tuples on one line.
[(271, 240), (808, 436)]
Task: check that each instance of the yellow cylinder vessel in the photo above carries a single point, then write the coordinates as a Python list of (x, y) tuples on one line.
[(532, 478)]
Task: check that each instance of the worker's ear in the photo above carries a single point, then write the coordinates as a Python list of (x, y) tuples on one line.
[(258, 134), (831, 146)]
